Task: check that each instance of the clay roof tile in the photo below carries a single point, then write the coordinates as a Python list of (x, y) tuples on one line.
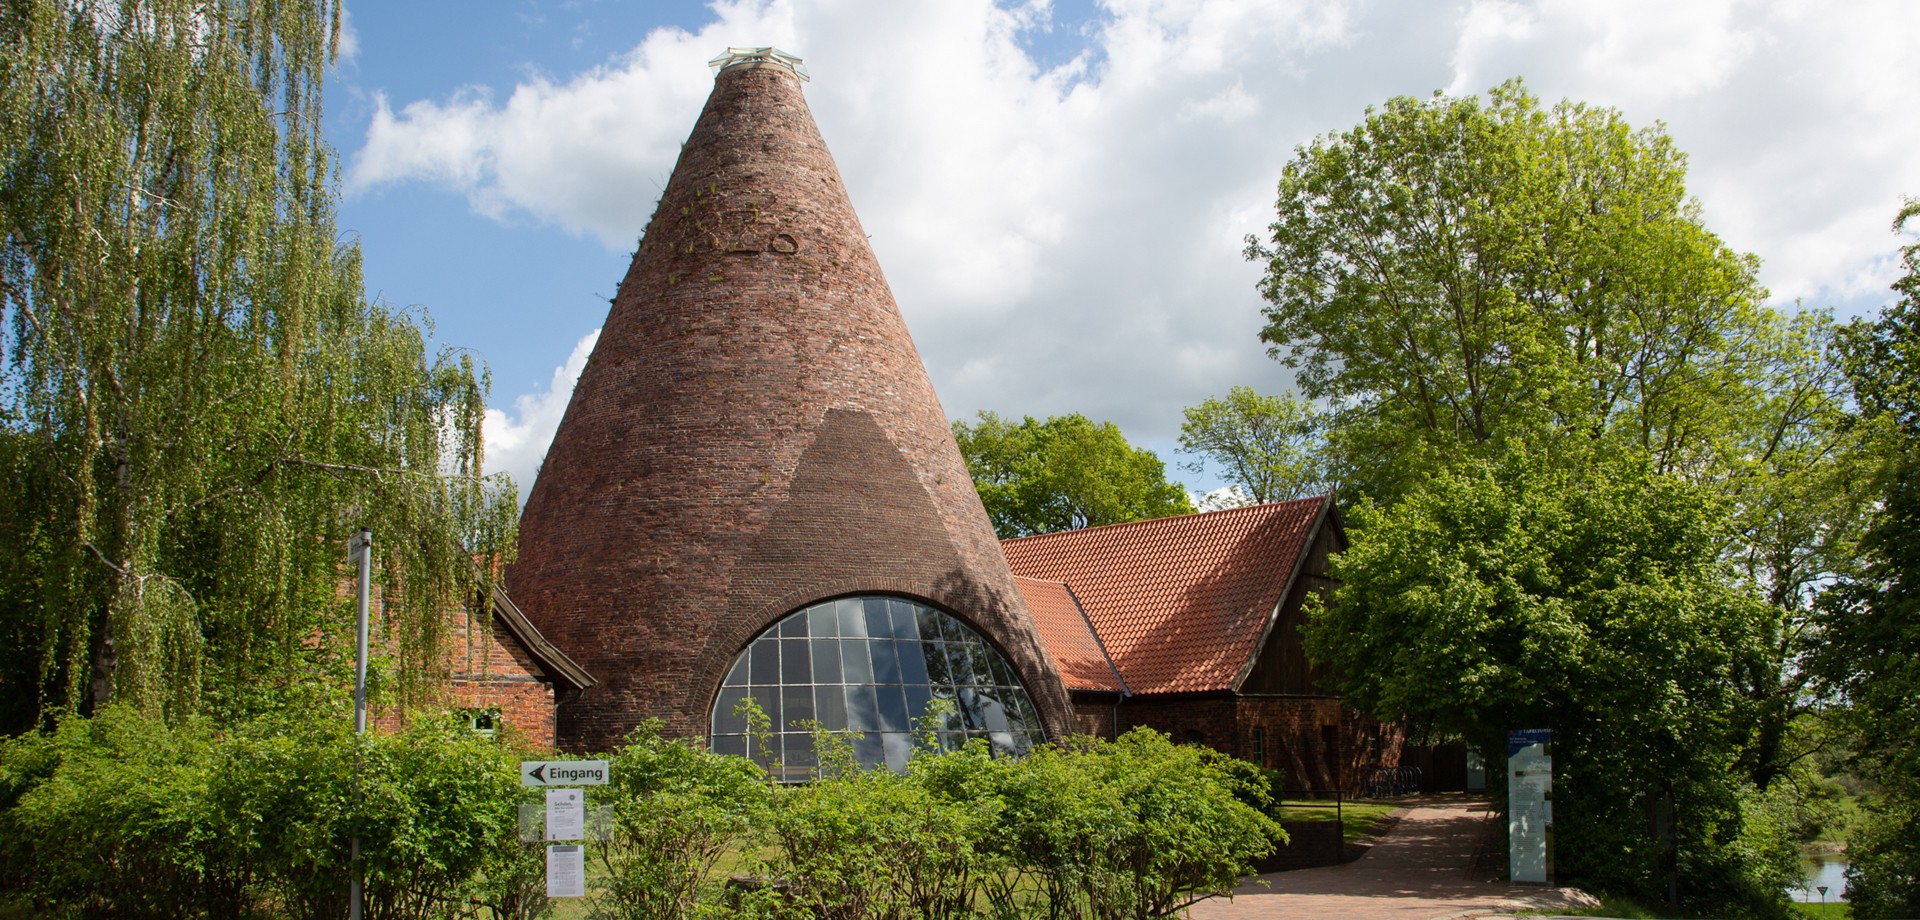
[(1180, 603)]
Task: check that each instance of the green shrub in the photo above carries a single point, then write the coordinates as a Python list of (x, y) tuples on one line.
[(1140, 827), (121, 816), (677, 810), (857, 844), (1883, 877)]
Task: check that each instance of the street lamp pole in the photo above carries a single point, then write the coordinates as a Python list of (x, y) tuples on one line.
[(363, 552)]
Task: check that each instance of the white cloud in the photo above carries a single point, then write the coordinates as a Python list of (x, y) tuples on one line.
[(1067, 238), (1795, 115), (517, 444)]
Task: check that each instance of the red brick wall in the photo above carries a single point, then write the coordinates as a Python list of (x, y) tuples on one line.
[(754, 432), (1093, 713), (488, 669), (1316, 742), (484, 667)]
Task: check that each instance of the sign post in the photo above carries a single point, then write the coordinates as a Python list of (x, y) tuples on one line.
[(564, 818), (362, 554), (1529, 803)]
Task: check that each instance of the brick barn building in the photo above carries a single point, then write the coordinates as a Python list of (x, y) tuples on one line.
[(755, 494), (1191, 625)]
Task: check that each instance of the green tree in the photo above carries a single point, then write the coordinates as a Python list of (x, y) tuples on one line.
[(1064, 473), (1452, 273), (1870, 624), (1272, 447), (1524, 594), (198, 404), (1490, 285)]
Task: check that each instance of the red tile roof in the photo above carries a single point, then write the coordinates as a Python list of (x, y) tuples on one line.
[(1068, 636), (1180, 603)]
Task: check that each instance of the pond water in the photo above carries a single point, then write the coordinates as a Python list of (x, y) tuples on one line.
[(1830, 871)]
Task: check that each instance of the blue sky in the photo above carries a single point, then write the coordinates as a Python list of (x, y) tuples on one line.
[(1058, 191)]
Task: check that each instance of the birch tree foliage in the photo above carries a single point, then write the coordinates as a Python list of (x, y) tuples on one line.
[(198, 404)]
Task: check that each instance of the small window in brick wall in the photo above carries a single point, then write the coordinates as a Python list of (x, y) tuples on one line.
[(484, 721), (1257, 747)]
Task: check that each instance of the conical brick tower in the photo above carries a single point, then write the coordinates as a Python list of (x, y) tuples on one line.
[(753, 434)]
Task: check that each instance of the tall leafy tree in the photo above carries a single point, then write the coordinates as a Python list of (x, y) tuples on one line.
[(1870, 649), (1455, 272), (1493, 285), (198, 404), (1590, 600), (1064, 473), (1271, 447)]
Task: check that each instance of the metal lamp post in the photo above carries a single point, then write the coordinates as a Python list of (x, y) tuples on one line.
[(363, 553)]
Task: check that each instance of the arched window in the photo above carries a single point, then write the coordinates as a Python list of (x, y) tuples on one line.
[(872, 665)]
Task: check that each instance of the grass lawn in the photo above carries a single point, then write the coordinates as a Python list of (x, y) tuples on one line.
[(1832, 910), (1361, 817)]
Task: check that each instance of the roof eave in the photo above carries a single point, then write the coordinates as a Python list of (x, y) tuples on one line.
[(1101, 643), (559, 667)]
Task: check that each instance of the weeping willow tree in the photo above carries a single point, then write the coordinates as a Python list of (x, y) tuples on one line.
[(199, 406)]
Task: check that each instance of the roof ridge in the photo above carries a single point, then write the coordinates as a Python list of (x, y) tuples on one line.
[(1219, 512)]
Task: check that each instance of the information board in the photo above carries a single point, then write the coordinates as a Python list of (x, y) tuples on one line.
[(1529, 803)]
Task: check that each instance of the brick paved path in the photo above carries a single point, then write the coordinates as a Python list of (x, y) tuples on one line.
[(1419, 870)]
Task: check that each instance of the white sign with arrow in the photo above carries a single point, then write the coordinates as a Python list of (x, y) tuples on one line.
[(563, 773)]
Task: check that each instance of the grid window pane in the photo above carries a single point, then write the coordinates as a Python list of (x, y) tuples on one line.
[(725, 721), (893, 709), (904, 625), (899, 746), (863, 709), (823, 621), (939, 673), (856, 663), (918, 695), (765, 664), (796, 665), (879, 621), (826, 661), (913, 662), (831, 707), (796, 704), (1001, 671), (886, 667), (853, 617)]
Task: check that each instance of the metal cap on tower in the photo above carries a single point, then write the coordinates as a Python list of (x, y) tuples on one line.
[(768, 56)]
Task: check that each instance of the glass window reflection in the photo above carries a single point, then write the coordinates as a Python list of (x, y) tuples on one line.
[(871, 665)]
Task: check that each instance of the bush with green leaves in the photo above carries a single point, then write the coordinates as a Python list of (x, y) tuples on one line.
[(859, 844), (1883, 879), (119, 815), (1139, 827), (678, 809)]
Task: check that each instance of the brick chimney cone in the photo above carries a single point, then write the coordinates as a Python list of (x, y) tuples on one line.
[(753, 433)]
